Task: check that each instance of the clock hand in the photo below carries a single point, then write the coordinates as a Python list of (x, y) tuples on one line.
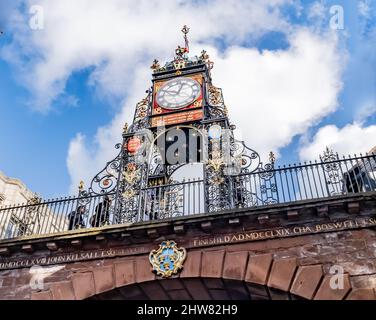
[(171, 93), (181, 87)]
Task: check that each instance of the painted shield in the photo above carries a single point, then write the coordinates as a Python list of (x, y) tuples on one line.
[(168, 259)]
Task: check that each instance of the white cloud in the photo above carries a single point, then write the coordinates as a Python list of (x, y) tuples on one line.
[(272, 96), (114, 36), (364, 8), (275, 95), (85, 159), (365, 111), (317, 10), (353, 138)]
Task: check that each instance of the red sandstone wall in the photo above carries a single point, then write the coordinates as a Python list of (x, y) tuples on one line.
[(299, 265)]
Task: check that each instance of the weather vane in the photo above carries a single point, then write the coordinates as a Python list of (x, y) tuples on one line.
[(181, 51)]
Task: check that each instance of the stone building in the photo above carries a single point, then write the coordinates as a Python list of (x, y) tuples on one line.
[(13, 191), (28, 214)]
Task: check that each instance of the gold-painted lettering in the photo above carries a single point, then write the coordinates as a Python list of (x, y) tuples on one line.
[(297, 230), (279, 232), (269, 234), (347, 224), (255, 235), (338, 225)]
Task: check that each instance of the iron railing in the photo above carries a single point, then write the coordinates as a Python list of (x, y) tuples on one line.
[(305, 181), (283, 184)]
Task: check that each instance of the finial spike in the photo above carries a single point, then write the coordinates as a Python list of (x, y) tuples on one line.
[(271, 157), (180, 52), (125, 129), (185, 31)]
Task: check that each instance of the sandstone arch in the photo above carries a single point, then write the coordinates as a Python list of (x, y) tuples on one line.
[(207, 274)]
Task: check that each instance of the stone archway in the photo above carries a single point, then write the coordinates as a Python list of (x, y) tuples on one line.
[(195, 289), (214, 274), (266, 248)]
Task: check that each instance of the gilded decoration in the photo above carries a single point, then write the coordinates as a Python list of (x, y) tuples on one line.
[(131, 173), (168, 259)]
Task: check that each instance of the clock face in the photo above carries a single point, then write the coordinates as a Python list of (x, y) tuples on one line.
[(178, 93)]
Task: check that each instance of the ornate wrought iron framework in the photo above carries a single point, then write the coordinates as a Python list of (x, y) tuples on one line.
[(129, 179)]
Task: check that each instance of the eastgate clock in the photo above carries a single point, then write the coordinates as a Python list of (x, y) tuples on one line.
[(178, 93)]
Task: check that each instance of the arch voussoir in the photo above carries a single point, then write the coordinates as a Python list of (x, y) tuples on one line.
[(104, 278), (282, 273), (306, 281), (62, 291), (212, 264), (258, 268), (235, 264), (83, 285), (124, 273), (208, 268), (328, 292)]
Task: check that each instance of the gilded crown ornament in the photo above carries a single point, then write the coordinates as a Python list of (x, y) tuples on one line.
[(155, 66), (204, 55), (168, 259), (131, 173)]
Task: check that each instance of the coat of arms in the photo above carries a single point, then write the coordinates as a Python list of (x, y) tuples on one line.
[(168, 259)]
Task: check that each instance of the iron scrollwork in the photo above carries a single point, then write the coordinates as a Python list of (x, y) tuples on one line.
[(332, 171), (217, 183), (142, 113), (164, 201), (30, 218), (252, 175), (217, 108)]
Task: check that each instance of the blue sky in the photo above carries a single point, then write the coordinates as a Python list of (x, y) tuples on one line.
[(63, 100)]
